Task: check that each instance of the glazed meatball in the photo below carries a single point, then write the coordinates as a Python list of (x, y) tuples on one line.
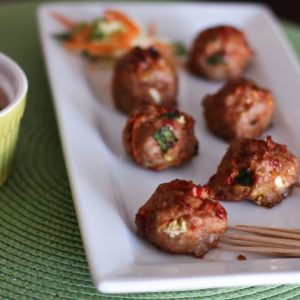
[(261, 171), (181, 217), (158, 137), (220, 53), (143, 76), (240, 109)]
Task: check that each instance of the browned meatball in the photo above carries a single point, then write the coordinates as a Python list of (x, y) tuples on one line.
[(158, 137), (257, 170), (181, 217), (219, 53), (239, 109), (143, 76)]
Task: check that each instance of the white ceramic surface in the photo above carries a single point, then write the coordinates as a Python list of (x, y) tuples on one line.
[(108, 188)]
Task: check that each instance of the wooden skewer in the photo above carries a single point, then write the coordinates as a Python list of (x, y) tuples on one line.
[(268, 231), (267, 240), (277, 229), (244, 243)]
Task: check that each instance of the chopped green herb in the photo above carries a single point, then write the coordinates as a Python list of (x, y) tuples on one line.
[(97, 32), (66, 36), (63, 36), (165, 138), (245, 177), (216, 59), (172, 115), (179, 48)]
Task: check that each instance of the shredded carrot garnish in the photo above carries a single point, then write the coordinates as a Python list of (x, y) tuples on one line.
[(110, 35), (82, 34), (131, 27), (80, 39)]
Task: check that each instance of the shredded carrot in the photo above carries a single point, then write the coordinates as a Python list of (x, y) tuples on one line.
[(129, 24), (122, 40), (80, 39), (83, 34), (95, 49), (68, 23)]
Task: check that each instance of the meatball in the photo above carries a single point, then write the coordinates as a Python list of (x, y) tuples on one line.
[(220, 53), (181, 217), (261, 171), (158, 137), (240, 109), (143, 76)]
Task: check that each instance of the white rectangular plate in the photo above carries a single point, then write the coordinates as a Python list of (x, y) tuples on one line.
[(108, 188)]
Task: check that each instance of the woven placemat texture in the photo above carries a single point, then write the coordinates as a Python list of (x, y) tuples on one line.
[(41, 252)]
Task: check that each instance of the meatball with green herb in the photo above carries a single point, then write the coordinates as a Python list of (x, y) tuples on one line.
[(183, 218), (159, 138), (144, 76), (241, 109), (220, 53), (261, 171)]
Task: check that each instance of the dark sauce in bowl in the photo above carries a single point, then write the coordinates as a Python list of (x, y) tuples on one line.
[(3, 99)]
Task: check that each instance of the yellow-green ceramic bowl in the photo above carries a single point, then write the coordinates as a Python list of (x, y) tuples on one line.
[(14, 84)]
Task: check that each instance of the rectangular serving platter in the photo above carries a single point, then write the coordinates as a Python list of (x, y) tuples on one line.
[(108, 188)]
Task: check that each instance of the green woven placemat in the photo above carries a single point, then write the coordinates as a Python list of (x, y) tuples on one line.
[(41, 252)]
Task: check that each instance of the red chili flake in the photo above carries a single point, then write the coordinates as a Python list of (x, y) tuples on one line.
[(196, 192), (275, 163), (241, 257), (221, 212), (170, 123), (230, 179)]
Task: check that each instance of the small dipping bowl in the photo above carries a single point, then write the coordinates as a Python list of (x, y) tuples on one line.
[(13, 91)]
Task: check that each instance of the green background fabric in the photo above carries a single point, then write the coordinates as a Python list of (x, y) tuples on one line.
[(41, 252)]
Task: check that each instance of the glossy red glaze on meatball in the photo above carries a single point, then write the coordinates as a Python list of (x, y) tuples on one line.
[(220, 53), (261, 171), (159, 138), (240, 109), (181, 217), (143, 76)]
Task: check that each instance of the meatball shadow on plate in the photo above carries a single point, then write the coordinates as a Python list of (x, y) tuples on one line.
[(99, 77), (109, 124)]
